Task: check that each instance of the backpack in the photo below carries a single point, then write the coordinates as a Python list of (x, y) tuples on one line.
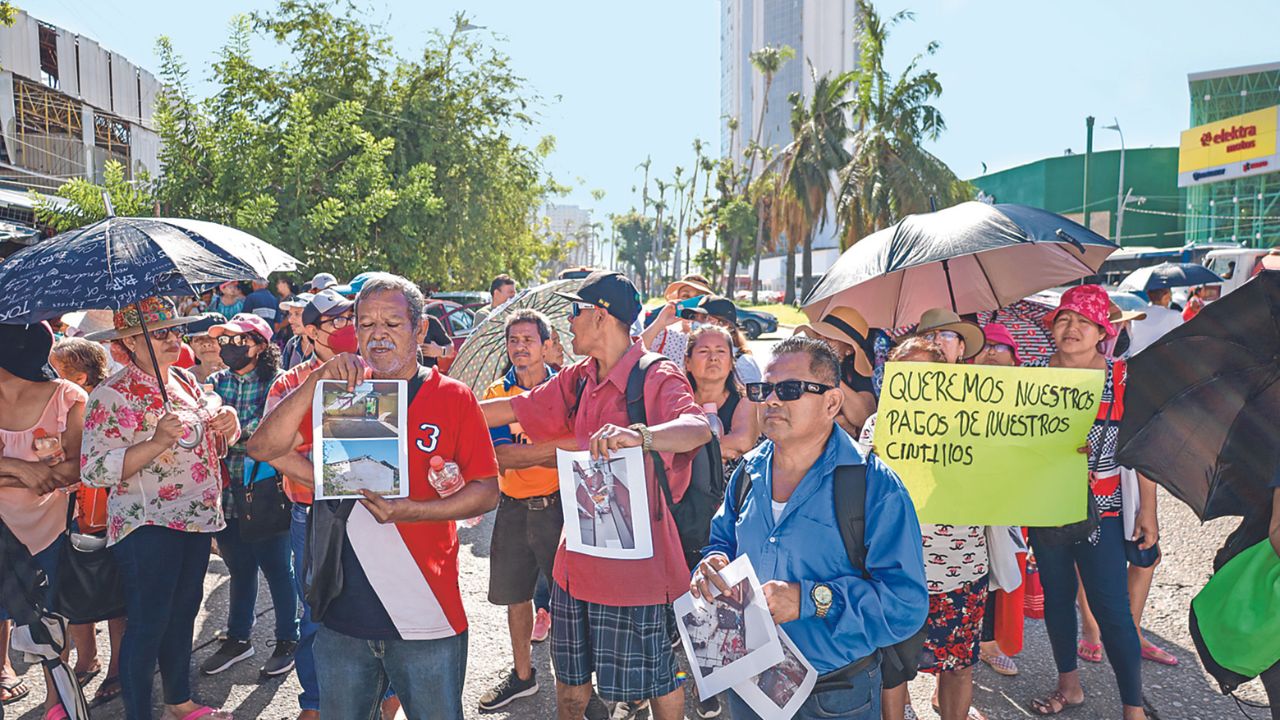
[(901, 661), (706, 485)]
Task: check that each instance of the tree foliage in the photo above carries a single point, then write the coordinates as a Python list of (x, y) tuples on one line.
[(85, 199), (352, 158)]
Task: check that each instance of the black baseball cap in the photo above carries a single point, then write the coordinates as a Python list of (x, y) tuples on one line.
[(719, 307), (610, 290), (204, 323)]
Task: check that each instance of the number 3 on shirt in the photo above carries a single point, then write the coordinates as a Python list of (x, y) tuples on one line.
[(433, 435)]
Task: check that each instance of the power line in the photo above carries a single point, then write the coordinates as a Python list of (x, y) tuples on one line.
[(1197, 216)]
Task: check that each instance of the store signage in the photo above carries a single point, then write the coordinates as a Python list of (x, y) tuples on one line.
[(1230, 148)]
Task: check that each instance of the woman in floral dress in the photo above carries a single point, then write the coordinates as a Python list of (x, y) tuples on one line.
[(161, 466)]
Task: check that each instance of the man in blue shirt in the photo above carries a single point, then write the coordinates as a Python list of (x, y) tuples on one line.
[(787, 526), (262, 303)]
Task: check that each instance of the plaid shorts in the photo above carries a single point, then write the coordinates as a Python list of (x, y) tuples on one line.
[(628, 648)]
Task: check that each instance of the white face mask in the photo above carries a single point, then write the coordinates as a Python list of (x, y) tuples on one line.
[(694, 325)]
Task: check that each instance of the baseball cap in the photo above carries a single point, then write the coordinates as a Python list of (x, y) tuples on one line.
[(610, 290), (297, 301), (204, 323), (719, 307), (325, 304), (240, 324), (322, 281), (353, 287)]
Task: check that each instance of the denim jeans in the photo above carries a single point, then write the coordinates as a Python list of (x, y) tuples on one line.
[(243, 562), (162, 572), (542, 595), (354, 675), (309, 699), (1105, 573), (855, 698)]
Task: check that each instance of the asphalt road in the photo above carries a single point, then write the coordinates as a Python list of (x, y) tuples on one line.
[(356, 429)]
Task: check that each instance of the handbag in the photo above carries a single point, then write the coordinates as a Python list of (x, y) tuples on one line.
[(261, 504), (1079, 531), (89, 588)]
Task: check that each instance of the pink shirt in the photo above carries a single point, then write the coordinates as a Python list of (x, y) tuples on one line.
[(35, 519), (544, 414)]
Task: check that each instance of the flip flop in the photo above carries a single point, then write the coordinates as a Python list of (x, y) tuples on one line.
[(1089, 652), (109, 690), (84, 677), (13, 691), (1156, 655), (1045, 706), (202, 712), (57, 712)]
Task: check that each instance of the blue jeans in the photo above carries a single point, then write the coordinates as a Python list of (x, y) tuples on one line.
[(162, 572), (354, 675), (1105, 573), (309, 699), (542, 594), (243, 562), (855, 698)]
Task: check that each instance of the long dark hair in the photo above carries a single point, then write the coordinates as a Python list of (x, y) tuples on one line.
[(268, 359), (731, 383)]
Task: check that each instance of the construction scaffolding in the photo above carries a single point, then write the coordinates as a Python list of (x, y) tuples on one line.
[(1244, 210)]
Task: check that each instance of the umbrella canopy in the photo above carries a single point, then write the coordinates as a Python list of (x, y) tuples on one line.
[(1202, 402), (483, 357), (969, 257), (1168, 275), (117, 261), (260, 255)]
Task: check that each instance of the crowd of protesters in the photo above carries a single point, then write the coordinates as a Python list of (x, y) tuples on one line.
[(154, 439)]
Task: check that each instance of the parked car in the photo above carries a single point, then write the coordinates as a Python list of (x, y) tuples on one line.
[(458, 321), (463, 297), (753, 323)]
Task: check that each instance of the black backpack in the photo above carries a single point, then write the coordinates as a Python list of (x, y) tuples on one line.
[(901, 661), (706, 486)]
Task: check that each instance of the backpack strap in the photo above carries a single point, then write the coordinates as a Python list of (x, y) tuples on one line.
[(636, 414), (850, 490)]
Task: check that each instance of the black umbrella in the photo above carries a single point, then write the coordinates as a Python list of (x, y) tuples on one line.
[(1202, 404), (969, 257), (1168, 275)]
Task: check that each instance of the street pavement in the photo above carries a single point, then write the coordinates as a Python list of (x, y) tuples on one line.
[(1177, 693), (358, 428)]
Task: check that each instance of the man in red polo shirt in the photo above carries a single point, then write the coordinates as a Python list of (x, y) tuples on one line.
[(611, 616), (398, 616)]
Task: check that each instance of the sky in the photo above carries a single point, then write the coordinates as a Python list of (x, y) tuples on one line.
[(622, 81)]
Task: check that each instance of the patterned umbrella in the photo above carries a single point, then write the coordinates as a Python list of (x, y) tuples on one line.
[(483, 357), (1025, 320)]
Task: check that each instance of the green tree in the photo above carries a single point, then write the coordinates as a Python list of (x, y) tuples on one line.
[(636, 240), (85, 199), (890, 174)]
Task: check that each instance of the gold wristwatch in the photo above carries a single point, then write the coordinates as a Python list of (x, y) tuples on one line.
[(646, 436), (821, 595)]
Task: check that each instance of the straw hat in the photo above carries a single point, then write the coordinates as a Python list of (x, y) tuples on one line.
[(159, 313), (1117, 316), (935, 319), (697, 287), (845, 325)]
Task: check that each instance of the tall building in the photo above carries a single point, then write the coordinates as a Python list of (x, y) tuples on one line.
[(571, 225), (822, 33)]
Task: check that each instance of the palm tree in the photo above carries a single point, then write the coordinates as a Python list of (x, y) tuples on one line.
[(817, 151), (644, 208), (657, 240), (789, 222), (890, 174), (767, 61)]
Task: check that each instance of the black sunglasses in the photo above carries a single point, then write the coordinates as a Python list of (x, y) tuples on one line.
[(787, 390)]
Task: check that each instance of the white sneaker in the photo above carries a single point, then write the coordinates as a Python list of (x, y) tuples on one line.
[(628, 710)]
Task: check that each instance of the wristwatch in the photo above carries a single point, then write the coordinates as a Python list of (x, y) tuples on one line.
[(646, 436), (821, 595)]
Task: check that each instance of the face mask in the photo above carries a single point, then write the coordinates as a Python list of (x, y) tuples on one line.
[(344, 340), (694, 325), (235, 357)]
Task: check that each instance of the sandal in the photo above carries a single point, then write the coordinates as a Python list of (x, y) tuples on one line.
[(109, 690), (201, 712), (1156, 655), (83, 677), (57, 712), (973, 714), (1089, 652), (13, 690), (1055, 699), (1001, 663)]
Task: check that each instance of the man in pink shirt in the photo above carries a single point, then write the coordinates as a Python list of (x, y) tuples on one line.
[(611, 616)]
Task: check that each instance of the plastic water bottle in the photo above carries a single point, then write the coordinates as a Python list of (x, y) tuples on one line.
[(713, 418), (446, 478)]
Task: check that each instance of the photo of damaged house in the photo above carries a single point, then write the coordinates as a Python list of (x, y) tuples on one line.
[(371, 411), (725, 634), (357, 466), (605, 514)]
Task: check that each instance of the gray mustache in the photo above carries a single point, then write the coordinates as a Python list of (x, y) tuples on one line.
[(381, 345)]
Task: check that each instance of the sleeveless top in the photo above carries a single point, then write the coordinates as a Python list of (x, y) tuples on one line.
[(37, 520)]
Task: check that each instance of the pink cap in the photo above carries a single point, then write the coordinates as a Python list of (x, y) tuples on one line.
[(1092, 302), (998, 334), (243, 323)]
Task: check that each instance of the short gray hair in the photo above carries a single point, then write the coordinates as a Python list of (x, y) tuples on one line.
[(823, 362), (386, 282), (528, 315)]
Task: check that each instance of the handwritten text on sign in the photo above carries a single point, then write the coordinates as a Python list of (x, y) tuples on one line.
[(984, 445)]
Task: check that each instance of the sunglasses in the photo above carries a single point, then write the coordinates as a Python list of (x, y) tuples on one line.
[(998, 347), (934, 336), (577, 308), (787, 390), (240, 340), (165, 333)]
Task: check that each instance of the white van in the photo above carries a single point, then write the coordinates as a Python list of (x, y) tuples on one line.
[(1235, 266)]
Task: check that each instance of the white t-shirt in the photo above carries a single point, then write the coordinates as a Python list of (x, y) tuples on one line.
[(778, 507), (1159, 321)]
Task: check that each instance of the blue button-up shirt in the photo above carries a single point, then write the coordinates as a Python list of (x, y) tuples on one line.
[(804, 546)]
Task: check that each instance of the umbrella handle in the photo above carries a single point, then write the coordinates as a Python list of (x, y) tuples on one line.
[(194, 435)]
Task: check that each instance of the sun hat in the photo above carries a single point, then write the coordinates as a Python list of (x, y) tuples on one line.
[(1117, 315), (935, 319), (1092, 302), (24, 351), (845, 325), (998, 334), (698, 287), (240, 324), (158, 313)]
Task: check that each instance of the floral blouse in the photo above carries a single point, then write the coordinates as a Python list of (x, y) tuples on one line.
[(182, 488)]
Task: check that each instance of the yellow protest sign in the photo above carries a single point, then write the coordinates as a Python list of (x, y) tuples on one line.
[(986, 445)]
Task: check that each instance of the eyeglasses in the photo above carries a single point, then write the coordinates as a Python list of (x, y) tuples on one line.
[(577, 308), (241, 340), (787, 390), (934, 336), (165, 333), (337, 322), (998, 347)]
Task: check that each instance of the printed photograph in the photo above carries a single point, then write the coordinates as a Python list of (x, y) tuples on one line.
[(609, 514), (778, 692), (350, 466), (372, 410), (731, 639)]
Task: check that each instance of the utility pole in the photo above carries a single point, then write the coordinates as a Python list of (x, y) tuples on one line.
[(1088, 152)]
